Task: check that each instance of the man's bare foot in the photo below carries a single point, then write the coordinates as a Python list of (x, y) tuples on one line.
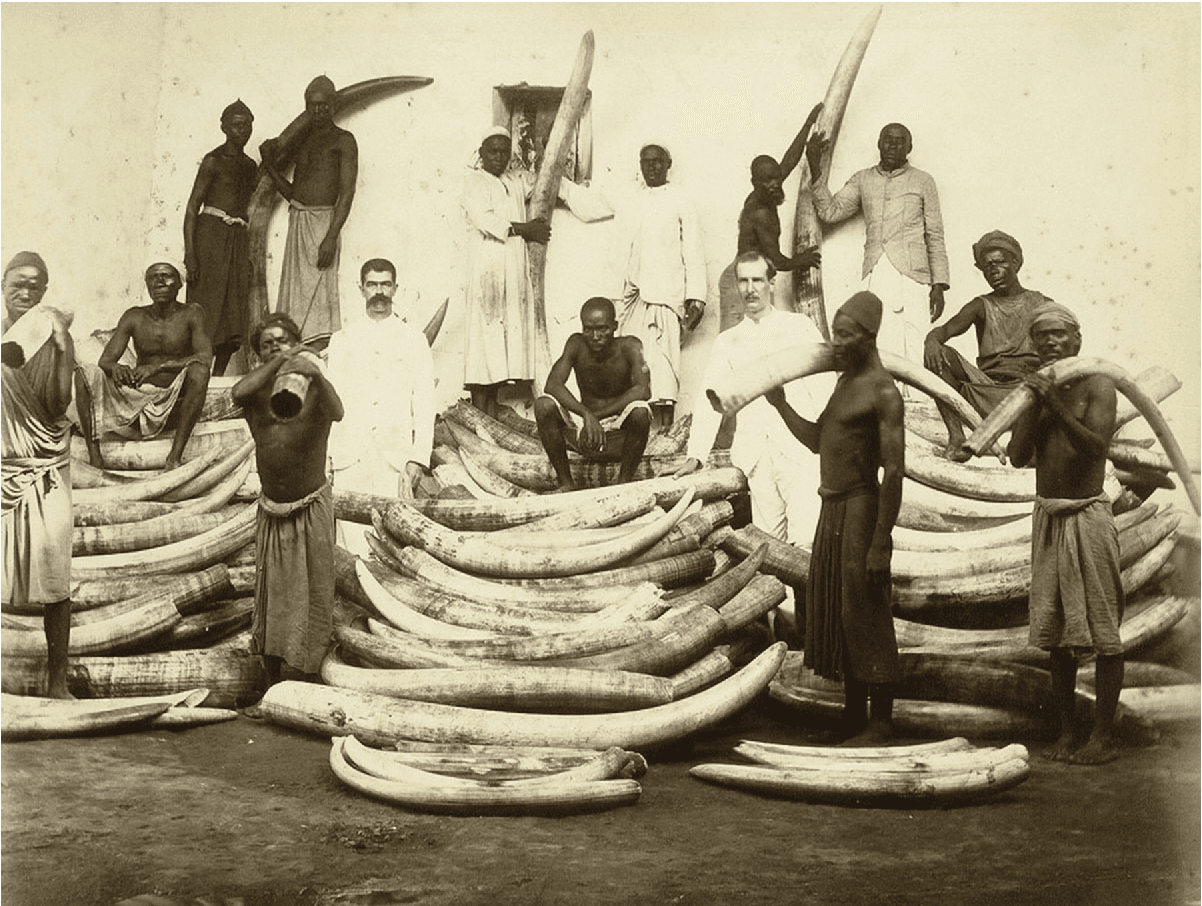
[(1062, 749), (564, 488), (171, 463), (1099, 750), (60, 693)]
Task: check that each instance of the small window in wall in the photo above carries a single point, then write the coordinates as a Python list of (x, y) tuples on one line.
[(528, 111)]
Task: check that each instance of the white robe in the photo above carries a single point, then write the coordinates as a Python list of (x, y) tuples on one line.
[(665, 266)]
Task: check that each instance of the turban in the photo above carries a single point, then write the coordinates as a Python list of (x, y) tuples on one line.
[(1050, 312), (320, 82), (236, 109), (655, 144), (996, 239), (28, 259), (865, 309)]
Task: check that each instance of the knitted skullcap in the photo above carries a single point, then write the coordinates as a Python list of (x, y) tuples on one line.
[(28, 259), (865, 309), (320, 82), (236, 109), (996, 239)]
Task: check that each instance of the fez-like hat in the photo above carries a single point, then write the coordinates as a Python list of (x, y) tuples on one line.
[(322, 81), (865, 309), (236, 109)]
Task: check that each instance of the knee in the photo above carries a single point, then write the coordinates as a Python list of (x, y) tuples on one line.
[(546, 411), (196, 379), (638, 422)]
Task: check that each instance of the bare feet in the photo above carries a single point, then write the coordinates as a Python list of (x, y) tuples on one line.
[(957, 452), (564, 488), (1099, 750), (63, 694), (171, 463), (872, 735), (1062, 749)]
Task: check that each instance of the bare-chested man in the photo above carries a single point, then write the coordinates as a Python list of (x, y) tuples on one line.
[(759, 222), (614, 385), (849, 623), (294, 539), (1076, 597), (216, 239), (166, 388), (319, 196)]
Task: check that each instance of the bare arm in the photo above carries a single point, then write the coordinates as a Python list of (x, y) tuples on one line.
[(972, 314), (59, 396), (797, 148), (803, 429), (348, 174), (267, 152), (556, 383), (109, 362), (893, 462), (1021, 449), (1090, 435), (200, 188), (257, 380)]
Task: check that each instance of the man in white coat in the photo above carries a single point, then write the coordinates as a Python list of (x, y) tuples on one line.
[(782, 475), (665, 278), (385, 374)]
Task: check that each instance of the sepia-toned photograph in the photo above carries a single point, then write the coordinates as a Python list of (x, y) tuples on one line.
[(570, 454)]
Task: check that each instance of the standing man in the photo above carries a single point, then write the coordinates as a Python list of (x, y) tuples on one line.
[(499, 341), (216, 241), (849, 622), (294, 538), (385, 368), (319, 198), (36, 459), (1076, 590), (167, 385), (1002, 320), (614, 385), (905, 261), (781, 476), (759, 222), (665, 278)]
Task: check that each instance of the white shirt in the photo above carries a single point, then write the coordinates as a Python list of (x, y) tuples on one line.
[(667, 259), (384, 373), (759, 427)]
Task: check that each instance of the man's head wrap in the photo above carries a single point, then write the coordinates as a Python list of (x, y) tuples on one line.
[(170, 262), (996, 239), (656, 144), (236, 109), (865, 309), (1050, 312), (28, 259), (320, 82)]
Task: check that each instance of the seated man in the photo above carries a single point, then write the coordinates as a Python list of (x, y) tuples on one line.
[(1004, 351), (614, 385), (166, 388)]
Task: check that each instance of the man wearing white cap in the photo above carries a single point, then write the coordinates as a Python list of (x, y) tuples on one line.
[(165, 388), (37, 516), (665, 277)]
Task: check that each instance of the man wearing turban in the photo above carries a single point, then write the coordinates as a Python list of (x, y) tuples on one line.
[(319, 199), (1002, 319), (905, 260), (849, 631), (216, 240), (1076, 598), (39, 358)]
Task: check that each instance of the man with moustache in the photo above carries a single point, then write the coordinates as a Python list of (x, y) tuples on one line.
[(664, 287), (166, 388), (1002, 320), (216, 239), (905, 260), (860, 434), (614, 385), (1076, 594), (294, 534), (385, 370), (319, 198)]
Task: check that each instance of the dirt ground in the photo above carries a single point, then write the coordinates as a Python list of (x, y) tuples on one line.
[(248, 813)]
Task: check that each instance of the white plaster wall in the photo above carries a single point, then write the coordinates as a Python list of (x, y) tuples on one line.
[(1073, 127)]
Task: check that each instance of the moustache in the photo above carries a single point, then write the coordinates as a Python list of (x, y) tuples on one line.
[(379, 298)]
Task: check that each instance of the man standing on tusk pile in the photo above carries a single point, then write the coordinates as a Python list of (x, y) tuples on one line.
[(1076, 598), (849, 621)]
